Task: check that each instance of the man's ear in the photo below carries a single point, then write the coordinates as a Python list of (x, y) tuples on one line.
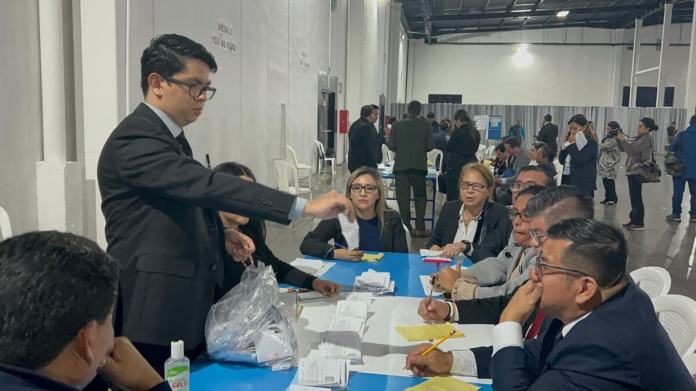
[(588, 291), (84, 342), (156, 82)]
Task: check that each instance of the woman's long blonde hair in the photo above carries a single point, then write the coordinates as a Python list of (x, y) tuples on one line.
[(381, 204)]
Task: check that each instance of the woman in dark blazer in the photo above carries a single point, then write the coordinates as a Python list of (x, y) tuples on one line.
[(381, 228), (472, 225), (583, 151), (255, 229), (460, 149)]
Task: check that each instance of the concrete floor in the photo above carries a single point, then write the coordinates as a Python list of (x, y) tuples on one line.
[(669, 245)]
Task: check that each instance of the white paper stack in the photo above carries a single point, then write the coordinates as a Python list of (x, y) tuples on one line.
[(378, 283), (350, 231), (323, 372), (312, 266), (343, 345), (360, 296)]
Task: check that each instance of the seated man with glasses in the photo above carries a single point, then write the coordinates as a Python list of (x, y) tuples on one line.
[(473, 225), (601, 331), (548, 207), (380, 228), (498, 275)]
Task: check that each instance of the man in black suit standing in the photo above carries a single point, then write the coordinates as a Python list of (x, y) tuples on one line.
[(160, 203), (364, 146), (549, 134)]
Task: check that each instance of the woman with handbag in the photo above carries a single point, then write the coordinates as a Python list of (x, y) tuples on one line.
[(608, 165), (640, 155)]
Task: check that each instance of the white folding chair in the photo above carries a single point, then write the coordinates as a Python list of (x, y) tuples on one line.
[(690, 362), (677, 314), (286, 173), (408, 237), (386, 154), (292, 158), (5, 226), (321, 158), (559, 171), (480, 154), (433, 157), (653, 280), (490, 152)]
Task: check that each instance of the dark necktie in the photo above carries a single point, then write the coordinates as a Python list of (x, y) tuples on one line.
[(185, 146)]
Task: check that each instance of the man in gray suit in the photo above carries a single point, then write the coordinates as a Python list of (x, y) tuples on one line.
[(411, 139)]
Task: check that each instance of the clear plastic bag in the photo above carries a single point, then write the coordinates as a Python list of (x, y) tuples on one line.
[(251, 325)]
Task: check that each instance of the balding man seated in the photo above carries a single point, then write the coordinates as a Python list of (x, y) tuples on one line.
[(57, 295)]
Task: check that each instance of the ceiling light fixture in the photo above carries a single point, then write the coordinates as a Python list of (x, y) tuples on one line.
[(562, 14)]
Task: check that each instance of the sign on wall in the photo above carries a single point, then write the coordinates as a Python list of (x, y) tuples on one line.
[(222, 36), (495, 127)]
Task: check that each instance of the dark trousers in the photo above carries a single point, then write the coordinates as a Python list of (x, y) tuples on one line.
[(405, 180), (678, 185), (635, 190), (609, 190)]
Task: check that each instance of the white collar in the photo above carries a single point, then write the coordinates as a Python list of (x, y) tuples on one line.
[(566, 329), (476, 218), (168, 121)]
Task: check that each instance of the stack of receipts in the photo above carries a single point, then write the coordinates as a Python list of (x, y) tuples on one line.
[(378, 283), (322, 372), (343, 339)]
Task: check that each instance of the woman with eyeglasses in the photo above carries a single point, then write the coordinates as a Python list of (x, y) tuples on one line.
[(473, 225), (381, 228), (255, 229)]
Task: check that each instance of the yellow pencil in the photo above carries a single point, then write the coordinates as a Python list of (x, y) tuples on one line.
[(443, 339)]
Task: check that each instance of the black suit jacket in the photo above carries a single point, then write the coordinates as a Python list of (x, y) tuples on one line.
[(492, 233), (365, 147), (162, 229), (583, 165), (621, 345), (549, 134)]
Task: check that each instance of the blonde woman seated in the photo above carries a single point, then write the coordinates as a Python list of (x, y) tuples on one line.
[(380, 227), (473, 225)]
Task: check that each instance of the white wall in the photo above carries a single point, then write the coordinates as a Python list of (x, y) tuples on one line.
[(20, 110), (562, 75)]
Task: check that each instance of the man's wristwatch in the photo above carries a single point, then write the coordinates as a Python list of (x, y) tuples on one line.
[(467, 246)]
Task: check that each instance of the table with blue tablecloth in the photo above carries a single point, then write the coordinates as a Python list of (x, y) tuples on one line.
[(384, 350)]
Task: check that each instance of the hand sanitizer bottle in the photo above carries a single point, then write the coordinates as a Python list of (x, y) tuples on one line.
[(177, 368)]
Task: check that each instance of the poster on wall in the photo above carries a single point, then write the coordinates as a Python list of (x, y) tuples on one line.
[(495, 127)]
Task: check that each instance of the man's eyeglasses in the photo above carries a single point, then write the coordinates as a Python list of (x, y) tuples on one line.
[(195, 89), (356, 188), (519, 186), (473, 185), (512, 213), (540, 266), (538, 236)]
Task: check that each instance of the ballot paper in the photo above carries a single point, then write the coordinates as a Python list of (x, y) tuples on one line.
[(343, 345), (376, 282), (424, 252), (427, 287), (312, 266), (353, 309), (323, 372), (350, 231), (580, 140), (428, 332), (440, 383), (360, 296), (347, 323)]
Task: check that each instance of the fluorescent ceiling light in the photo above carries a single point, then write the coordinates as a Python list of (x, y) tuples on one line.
[(562, 14)]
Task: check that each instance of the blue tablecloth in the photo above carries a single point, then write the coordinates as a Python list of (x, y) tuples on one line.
[(405, 270)]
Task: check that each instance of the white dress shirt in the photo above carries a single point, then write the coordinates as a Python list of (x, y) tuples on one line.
[(465, 232)]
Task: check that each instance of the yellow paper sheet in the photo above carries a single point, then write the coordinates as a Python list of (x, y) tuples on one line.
[(444, 384), (427, 332), (372, 257)]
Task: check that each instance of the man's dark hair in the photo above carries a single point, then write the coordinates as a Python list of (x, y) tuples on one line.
[(549, 178), (547, 118), (597, 249), (413, 107), (366, 111), (375, 107), (692, 120), (52, 284), (512, 142), (500, 147), (430, 115), (558, 203), (462, 115), (531, 191), (166, 56)]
